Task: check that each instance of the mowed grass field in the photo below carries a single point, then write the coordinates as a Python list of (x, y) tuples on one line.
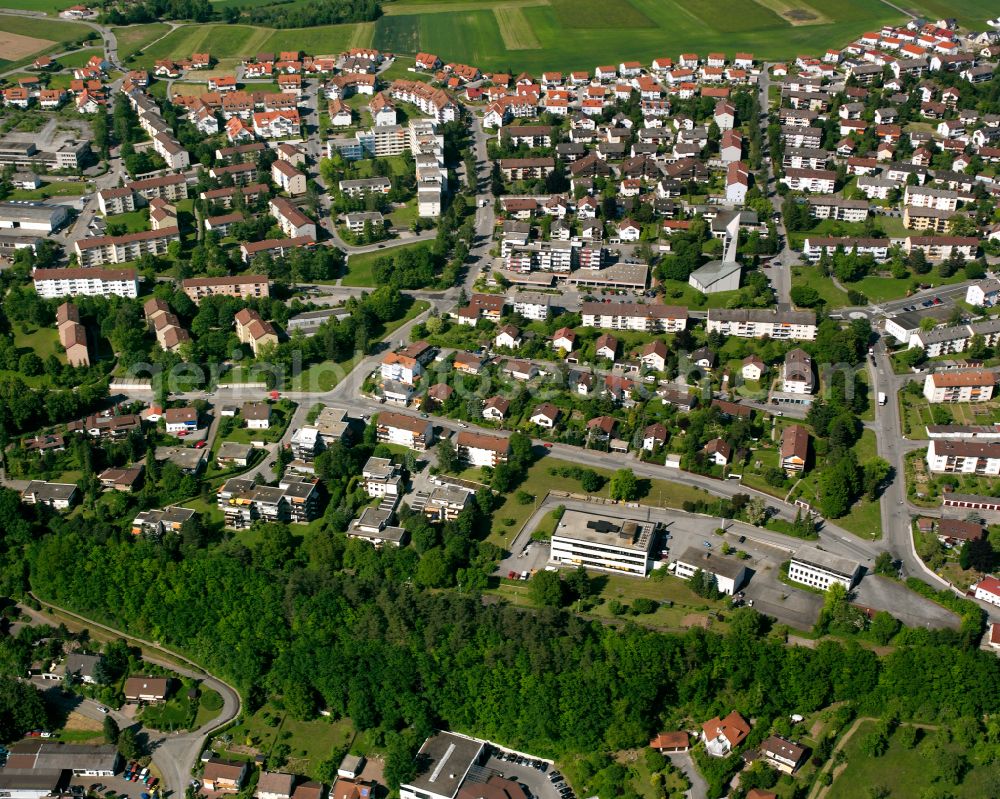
[(237, 41), (133, 38), (581, 34), (52, 7)]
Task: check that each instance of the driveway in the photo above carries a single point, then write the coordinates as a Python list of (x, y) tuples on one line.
[(699, 787)]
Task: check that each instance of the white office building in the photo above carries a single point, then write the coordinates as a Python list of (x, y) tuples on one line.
[(730, 574), (603, 542), (445, 761), (818, 569)]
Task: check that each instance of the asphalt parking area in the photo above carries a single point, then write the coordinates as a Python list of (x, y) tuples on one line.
[(538, 783)]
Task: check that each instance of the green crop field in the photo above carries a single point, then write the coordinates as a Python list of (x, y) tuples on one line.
[(538, 35), (52, 7), (581, 34), (237, 41), (134, 38), (51, 29)]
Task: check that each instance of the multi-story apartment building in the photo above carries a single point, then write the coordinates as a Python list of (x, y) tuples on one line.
[(951, 456), (99, 250), (763, 322), (482, 449), (649, 318), (973, 385), (243, 286), (76, 281), (408, 431)]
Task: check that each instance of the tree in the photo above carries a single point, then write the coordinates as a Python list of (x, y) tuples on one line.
[(884, 564), (875, 473), (447, 457), (111, 730), (546, 589), (591, 481), (756, 511), (624, 485), (128, 744), (883, 627)]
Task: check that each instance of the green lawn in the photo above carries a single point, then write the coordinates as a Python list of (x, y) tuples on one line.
[(43, 341), (63, 188), (52, 7), (133, 38), (540, 481), (359, 267), (905, 772), (311, 741), (79, 58), (235, 41), (579, 34), (134, 221)]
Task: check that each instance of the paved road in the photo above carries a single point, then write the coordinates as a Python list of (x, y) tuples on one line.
[(174, 754)]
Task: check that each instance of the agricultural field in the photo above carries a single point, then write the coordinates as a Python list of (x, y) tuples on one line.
[(572, 34), (133, 38), (52, 7), (237, 41)]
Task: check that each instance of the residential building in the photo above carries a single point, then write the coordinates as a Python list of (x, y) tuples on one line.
[(797, 373), (722, 736), (983, 294), (274, 785), (224, 776), (782, 754), (820, 569), (730, 574), (57, 496), (289, 179), (381, 478), (180, 420), (973, 385), (100, 250), (963, 457), (242, 286), (988, 590), (650, 318), (256, 415), (77, 281), (405, 430), (794, 448), (150, 690), (482, 449), (763, 322), (253, 330)]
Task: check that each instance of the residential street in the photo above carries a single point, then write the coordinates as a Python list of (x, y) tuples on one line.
[(175, 754)]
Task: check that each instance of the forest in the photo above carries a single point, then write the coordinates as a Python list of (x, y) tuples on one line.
[(295, 617)]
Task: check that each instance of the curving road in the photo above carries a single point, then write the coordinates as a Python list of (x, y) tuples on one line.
[(175, 754)]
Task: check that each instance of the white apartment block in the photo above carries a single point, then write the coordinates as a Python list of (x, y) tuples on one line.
[(818, 569), (651, 318), (407, 431), (817, 181), (99, 250), (602, 542), (983, 294), (963, 457), (763, 322), (482, 449), (974, 385), (815, 247), (74, 282), (924, 197)]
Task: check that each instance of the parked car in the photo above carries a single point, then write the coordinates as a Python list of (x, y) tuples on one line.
[(200, 444), (102, 709)]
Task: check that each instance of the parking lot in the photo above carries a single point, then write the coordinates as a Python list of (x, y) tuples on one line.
[(114, 786), (539, 783)]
